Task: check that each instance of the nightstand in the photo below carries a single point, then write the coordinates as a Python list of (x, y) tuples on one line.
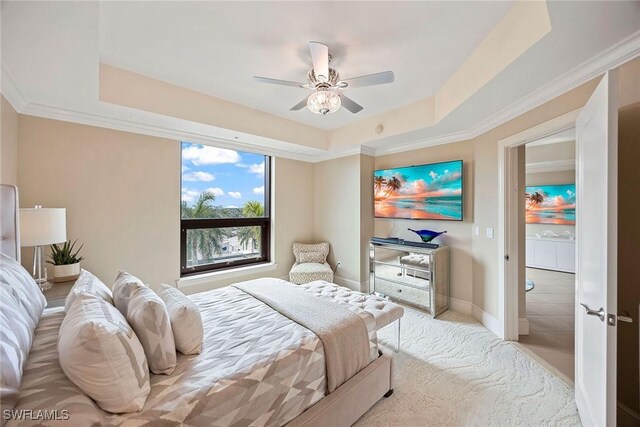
[(57, 295)]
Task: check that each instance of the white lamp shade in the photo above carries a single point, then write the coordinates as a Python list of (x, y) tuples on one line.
[(42, 226)]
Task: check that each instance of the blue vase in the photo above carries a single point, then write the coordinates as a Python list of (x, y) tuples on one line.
[(427, 235)]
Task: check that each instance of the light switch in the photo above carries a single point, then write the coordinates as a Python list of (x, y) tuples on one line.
[(476, 230), (489, 232)]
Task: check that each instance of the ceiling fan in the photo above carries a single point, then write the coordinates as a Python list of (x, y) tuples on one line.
[(327, 96)]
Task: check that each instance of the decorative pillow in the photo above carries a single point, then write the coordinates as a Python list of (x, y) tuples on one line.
[(186, 320), (100, 353), (21, 305), (122, 288), (149, 318), (317, 257), (90, 284)]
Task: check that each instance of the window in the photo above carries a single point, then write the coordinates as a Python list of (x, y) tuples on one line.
[(225, 210)]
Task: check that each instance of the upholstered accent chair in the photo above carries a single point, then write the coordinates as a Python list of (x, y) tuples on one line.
[(311, 263)]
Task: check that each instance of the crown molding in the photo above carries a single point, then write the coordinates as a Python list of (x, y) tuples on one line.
[(551, 166), (103, 121), (11, 92), (623, 51), (616, 55)]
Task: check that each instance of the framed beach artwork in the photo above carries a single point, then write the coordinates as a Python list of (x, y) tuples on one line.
[(431, 191), (551, 204)]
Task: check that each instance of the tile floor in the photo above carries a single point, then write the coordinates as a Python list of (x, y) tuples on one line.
[(550, 310)]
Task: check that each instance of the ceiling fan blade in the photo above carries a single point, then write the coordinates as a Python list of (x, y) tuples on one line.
[(350, 104), (320, 58), (278, 82), (369, 80), (299, 106)]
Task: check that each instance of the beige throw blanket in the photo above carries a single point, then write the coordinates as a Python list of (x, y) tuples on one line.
[(342, 332)]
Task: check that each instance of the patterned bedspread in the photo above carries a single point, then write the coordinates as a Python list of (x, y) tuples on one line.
[(257, 367)]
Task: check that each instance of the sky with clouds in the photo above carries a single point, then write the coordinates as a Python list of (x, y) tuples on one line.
[(555, 196), (432, 180), (235, 177)]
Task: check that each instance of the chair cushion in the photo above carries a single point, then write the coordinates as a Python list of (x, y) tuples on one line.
[(415, 260), (88, 283), (148, 316), (299, 248), (310, 271), (186, 320), (99, 352), (311, 267), (317, 257), (21, 305), (384, 312)]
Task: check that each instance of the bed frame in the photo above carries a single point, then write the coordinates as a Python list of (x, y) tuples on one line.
[(341, 408), (352, 399)]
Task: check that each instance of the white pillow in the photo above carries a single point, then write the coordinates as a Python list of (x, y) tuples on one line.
[(100, 353), (122, 288), (186, 320), (21, 305), (149, 318), (90, 284)]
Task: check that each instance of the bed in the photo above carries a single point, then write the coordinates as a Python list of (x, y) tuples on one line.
[(257, 366)]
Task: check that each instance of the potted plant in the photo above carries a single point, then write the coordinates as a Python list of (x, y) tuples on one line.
[(66, 263)]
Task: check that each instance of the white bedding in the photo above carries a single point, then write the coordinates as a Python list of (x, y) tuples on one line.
[(256, 367)]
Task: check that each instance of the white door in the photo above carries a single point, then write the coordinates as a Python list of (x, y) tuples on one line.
[(596, 229)]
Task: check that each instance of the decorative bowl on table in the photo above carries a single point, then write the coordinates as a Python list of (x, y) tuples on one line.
[(427, 235)]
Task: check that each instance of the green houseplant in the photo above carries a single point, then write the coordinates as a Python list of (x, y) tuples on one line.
[(66, 262)]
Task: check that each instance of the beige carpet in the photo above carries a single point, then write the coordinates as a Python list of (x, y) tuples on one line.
[(454, 372)]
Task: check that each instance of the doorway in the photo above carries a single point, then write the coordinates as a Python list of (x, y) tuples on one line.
[(547, 288), (511, 229)]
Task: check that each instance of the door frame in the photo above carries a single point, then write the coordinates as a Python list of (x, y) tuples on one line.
[(508, 218)]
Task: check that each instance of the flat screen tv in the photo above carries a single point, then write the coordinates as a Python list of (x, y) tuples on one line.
[(432, 191), (551, 204)]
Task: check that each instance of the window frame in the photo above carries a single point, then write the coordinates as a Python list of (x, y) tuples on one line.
[(263, 222)]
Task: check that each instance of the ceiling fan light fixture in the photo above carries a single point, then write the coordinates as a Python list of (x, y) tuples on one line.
[(324, 102)]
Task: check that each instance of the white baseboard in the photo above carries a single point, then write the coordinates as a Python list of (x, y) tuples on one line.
[(461, 306), (523, 326), (487, 320), (351, 284)]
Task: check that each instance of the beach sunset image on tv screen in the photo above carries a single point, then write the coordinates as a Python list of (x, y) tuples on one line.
[(551, 204), (431, 191)]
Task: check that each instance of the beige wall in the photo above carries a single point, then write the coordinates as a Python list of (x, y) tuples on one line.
[(628, 252), (337, 201), (8, 143), (486, 175), (458, 236), (550, 152), (122, 195), (120, 190), (367, 224)]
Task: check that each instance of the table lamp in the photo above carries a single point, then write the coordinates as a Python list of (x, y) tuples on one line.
[(39, 227)]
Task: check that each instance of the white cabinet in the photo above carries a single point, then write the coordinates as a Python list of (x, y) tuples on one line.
[(551, 253), (566, 256)]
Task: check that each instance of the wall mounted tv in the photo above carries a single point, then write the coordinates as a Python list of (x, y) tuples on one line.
[(431, 191), (551, 204)]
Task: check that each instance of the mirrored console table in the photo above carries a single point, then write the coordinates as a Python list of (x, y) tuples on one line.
[(411, 273)]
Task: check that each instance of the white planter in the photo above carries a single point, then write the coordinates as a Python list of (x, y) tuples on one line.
[(65, 273)]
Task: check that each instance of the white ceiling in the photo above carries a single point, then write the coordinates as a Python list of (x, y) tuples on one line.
[(583, 33), (51, 52), (216, 47)]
